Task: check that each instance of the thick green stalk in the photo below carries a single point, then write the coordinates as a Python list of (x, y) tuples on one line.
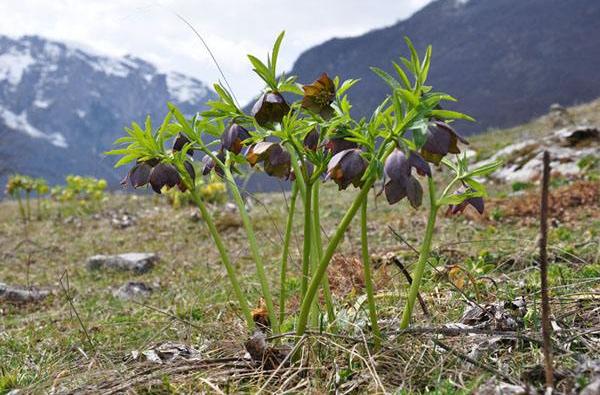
[(318, 243), (285, 252), (367, 272), (307, 240), (423, 257), (333, 243), (317, 277), (225, 258), (260, 268)]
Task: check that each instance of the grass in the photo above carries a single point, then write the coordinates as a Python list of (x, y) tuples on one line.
[(44, 347)]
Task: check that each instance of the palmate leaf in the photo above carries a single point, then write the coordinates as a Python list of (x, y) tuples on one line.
[(414, 56), (347, 84), (126, 159)]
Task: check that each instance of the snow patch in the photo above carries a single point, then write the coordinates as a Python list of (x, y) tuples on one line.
[(13, 64), (20, 123), (81, 113), (185, 89), (41, 103), (52, 50), (110, 67)]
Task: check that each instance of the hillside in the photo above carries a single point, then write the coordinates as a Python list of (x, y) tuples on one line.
[(181, 332), (61, 107), (506, 61)]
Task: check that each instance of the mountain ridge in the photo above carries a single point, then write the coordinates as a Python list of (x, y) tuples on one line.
[(61, 107), (506, 61)]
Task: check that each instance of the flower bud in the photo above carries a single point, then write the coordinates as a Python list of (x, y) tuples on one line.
[(311, 140), (475, 202), (338, 144), (180, 141)]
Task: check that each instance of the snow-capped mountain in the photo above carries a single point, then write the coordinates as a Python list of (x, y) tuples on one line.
[(61, 107)]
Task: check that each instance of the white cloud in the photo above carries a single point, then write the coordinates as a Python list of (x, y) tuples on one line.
[(150, 30)]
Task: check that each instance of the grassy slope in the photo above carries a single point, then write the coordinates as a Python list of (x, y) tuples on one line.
[(43, 346)]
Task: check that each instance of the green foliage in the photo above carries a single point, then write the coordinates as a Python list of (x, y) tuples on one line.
[(306, 140)]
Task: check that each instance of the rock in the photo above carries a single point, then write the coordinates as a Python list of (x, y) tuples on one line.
[(122, 221), (167, 352), (18, 294), (492, 387), (133, 290), (523, 160), (136, 262)]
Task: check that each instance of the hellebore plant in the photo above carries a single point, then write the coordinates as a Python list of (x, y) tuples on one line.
[(310, 141)]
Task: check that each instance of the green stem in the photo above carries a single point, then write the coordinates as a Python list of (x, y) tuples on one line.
[(21, 208), (260, 268), (333, 243), (27, 199), (423, 257), (367, 272), (317, 277), (285, 253), (318, 243), (307, 240), (225, 258)]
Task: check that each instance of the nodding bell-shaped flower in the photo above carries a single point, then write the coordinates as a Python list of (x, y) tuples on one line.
[(311, 140), (164, 174), (139, 175), (269, 108), (208, 164), (441, 140), (400, 182), (475, 202), (338, 144), (180, 141), (233, 138), (319, 95), (277, 162), (347, 167), (189, 168)]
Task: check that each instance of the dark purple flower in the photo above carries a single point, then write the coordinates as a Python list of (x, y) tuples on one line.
[(475, 202), (233, 138), (319, 95), (338, 144), (311, 140), (139, 175), (162, 175), (347, 167), (277, 161), (180, 141), (189, 168), (270, 107), (399, 182), (208, 164), (441, 140)]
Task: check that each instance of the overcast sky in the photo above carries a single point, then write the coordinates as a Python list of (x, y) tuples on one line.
[(150, 29)]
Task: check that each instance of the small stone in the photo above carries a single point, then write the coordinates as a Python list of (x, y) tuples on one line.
[(135, 261), (18, 294), (133, 290)]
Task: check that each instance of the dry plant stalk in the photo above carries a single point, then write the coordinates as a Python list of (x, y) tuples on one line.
[(546, 328)]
